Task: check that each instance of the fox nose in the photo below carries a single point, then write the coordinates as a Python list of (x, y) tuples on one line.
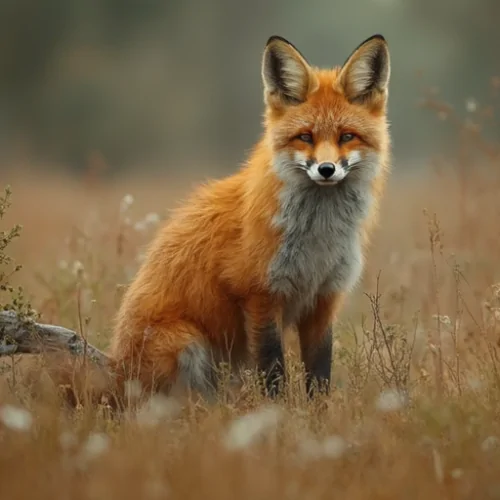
[(326, 170)]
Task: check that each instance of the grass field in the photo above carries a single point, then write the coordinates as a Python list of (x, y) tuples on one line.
[(416, 405)]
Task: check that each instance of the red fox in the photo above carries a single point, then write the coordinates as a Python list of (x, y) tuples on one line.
[(278, 244)]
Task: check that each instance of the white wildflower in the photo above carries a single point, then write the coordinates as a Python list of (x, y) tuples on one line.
[(152, 218), (391, 400), (445, 320), (17, 419), (140, 226), (310, 449), (126, 203), (496, 313), (471, 105), (331, 447), (457, 473), (63, 264), (77, 268), (490, 443), (248, 428), (334, 446), (97, 443), (156, 409)]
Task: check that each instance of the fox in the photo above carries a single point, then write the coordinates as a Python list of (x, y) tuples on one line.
[(280, 243)]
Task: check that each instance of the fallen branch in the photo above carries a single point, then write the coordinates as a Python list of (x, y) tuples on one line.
[(25, 336)]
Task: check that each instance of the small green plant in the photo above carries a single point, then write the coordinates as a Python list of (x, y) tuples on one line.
[(11, 298)]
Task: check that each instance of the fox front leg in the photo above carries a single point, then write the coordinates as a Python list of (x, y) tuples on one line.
[(264, 334), (316, 343)]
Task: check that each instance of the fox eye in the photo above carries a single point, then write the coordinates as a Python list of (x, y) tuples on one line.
[(306, 138), (346, 138)]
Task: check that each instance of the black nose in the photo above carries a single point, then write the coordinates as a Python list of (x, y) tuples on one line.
[(326, 170)]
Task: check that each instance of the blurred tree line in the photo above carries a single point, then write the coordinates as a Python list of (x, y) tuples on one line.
[(177, 82)]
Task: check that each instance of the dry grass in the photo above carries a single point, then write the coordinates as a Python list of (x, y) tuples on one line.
[(415, 410)]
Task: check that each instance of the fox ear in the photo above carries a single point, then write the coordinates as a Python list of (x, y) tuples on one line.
[(285, 73), (364, 77)]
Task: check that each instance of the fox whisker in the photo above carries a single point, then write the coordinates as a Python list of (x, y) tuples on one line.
[(356, 165)]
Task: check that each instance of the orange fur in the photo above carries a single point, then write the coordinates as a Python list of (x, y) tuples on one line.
[(205, 279)]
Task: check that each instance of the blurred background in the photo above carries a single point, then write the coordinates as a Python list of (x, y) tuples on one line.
[(165, 85)]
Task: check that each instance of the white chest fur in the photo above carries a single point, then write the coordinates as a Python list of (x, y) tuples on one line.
[(320, 250)]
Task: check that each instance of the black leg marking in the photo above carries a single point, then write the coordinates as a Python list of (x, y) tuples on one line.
[(318, 364), (270, 358)]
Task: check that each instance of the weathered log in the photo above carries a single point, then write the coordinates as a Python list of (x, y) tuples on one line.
[(25, 336)]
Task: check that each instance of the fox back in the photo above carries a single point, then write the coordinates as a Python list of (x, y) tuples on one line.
[(279, 243)]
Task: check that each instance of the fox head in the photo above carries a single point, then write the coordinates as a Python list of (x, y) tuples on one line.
[(326, 125)]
